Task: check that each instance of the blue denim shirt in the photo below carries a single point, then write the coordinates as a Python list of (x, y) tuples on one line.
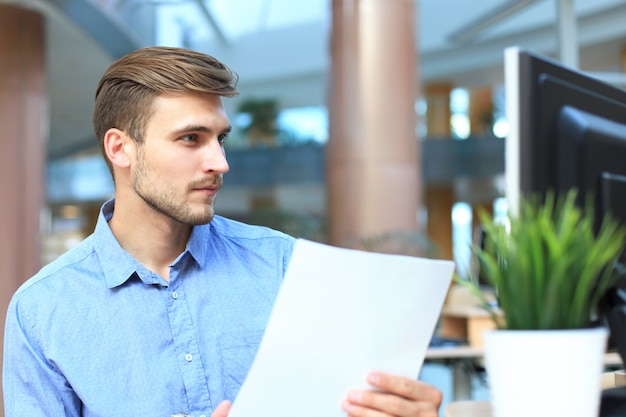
[(95, 333)]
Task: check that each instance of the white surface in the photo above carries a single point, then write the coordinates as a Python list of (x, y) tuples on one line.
[(340, 314), (512, 149), (545, 373)]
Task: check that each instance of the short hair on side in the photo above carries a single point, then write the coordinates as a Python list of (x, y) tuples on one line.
[(128, 87)]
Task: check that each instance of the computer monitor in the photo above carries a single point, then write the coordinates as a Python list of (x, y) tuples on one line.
[(567, 130)]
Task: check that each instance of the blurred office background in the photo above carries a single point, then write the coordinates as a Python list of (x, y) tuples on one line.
[(306, 70)]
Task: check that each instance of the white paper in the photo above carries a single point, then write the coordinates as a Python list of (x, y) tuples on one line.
[(339, 315)]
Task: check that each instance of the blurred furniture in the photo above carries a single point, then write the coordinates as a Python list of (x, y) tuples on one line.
[(462, 361), (610, 381), (462, 316), (468, 409), (461, 319)]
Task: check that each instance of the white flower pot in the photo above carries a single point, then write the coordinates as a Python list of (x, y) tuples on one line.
[(545, 373)]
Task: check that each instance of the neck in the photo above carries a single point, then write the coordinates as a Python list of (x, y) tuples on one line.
[(152, 238)]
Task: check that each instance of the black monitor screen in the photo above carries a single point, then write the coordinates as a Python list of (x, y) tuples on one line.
[(589, 156), (568, 130)]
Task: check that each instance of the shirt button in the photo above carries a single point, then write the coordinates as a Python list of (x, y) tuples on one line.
[(188, 357), (202, 415), (175, 295)]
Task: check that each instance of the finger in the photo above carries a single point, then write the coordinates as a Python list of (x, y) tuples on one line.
[(406, 387), (222, 409), (377, 404), (373, 404)]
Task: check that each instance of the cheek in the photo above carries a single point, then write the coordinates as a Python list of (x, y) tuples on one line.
[(162, 162), (168, 164)]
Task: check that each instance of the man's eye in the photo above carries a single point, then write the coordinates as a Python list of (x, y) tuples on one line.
[(222, 138), (190, 138)]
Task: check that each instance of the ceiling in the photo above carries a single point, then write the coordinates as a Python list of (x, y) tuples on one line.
[(280, 47)]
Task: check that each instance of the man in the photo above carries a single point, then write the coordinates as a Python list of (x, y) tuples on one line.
[(160, 311)]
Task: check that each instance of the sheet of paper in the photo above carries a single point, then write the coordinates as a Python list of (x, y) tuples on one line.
[(340, 314)]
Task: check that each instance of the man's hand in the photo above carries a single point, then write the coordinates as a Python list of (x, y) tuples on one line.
[(398, 397), (222, 409)]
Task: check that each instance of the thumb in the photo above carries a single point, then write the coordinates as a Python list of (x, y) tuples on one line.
[(222, 409)]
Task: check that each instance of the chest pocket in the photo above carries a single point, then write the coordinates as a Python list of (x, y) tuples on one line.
[(238, 352)]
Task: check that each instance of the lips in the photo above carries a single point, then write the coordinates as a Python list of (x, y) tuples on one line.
[(213, 185), (209, 188)]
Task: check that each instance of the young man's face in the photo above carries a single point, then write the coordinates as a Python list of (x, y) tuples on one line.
[(179, 167)]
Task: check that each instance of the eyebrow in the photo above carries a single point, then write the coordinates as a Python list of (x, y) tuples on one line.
[(201, 128)]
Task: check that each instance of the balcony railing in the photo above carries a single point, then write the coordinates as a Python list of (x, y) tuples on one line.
[(443, 161)]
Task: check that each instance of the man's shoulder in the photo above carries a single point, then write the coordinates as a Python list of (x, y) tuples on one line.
[(76, 258), (234, 229)]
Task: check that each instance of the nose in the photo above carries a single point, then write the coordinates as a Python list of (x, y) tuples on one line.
[(214, 159)]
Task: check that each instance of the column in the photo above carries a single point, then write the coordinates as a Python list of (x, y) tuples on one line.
[(23, 117), (439, 198), (373, 179), (481, 125), (438, 113), (481, 111)]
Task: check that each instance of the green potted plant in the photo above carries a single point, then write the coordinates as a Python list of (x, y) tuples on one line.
[(545, 255), (549, 269), (262, 128)]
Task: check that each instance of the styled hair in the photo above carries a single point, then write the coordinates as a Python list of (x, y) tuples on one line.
[(127, 89)]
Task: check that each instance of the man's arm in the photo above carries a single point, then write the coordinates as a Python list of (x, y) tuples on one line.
[(398, 397), (30, 384)]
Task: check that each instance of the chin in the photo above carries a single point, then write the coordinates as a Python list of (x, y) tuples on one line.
[(204, 217), (204, 220)]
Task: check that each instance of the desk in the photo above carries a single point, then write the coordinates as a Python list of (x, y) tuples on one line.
[(462, 357), (464, 317), (483, 408), (455, 352), (468, 409), (466, 322)]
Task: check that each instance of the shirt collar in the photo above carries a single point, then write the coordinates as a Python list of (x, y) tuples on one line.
[(125, 266), (198, 243), (117, 265)]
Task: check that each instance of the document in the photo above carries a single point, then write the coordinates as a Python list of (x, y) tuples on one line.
[(340, 314)]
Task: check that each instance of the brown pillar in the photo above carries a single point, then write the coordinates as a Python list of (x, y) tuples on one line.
[(439, 198), (23, 114), (438, 111), (481, 125), (373, 180), (439, 201), (480, 111)]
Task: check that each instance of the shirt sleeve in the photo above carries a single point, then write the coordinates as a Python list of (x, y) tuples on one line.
[(32, 386), (288, 251)]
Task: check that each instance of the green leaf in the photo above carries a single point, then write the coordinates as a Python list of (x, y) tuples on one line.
[(547, 266)]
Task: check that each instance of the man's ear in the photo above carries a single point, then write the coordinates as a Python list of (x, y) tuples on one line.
[(117, 146)]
